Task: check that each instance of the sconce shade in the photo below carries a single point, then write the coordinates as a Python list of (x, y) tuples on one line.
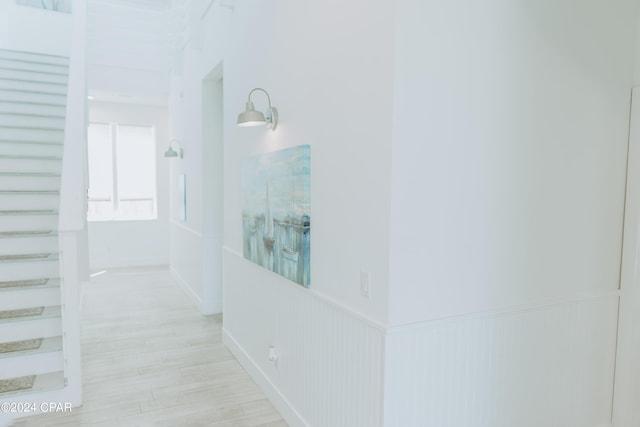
[(251, 117), (174, 153), (170, 153)]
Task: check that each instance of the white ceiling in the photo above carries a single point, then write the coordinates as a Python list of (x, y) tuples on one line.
[(129, 50)]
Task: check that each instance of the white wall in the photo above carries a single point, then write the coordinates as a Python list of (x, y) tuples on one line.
[(509, 151), (471, 157), (196, 120), (333, 91), (133, 243), (627, 384), (328, 69), (627, 381), (328, 97), (509, 162), (34, 30)]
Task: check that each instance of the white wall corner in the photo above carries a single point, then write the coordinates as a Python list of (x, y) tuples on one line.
[(205, 306)]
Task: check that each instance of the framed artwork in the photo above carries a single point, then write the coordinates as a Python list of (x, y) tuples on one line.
[(276, 214)]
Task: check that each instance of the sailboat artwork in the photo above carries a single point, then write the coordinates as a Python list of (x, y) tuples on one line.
[(276, 221)]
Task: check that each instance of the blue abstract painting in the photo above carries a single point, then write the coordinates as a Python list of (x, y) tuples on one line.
[(276, 220)]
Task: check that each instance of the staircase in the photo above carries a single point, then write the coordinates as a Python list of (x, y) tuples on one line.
[(33, 91)]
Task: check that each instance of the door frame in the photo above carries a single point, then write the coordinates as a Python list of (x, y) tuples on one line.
[(626, 394), (212, 103)]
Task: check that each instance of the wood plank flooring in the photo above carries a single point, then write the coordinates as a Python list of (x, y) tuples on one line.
[(150, 359)]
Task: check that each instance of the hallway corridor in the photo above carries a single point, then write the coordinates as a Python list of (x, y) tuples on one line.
[(150, 359)]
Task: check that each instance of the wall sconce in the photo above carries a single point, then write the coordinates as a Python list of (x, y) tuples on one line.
[(173, 153), (251, 117)]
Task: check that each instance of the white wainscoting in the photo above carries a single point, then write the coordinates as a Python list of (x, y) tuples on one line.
[(329, 371), (543, 366), (186, 261), (196, 264)]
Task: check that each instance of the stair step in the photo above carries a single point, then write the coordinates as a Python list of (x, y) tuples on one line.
[(28, 284), (9, 64), (38, 58), (29, 212), (34, 363), (28, 148), (20, 348), (17, 134), (28, 269), (26, 296), (31, 121), (8, 95), (21, 313), (46, 325), (28, 315), (19, 245), (29, 181), (40, 345), (18, 107), (30, 164), (8, 349), (8, 73), (28, 221), (41, 391), (33, 87), (29, 200)]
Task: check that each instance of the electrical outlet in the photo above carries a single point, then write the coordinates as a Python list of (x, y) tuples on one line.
[(273, 356), (365, 284)]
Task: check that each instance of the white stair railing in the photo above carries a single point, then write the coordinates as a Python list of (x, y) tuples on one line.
[(73, 208)]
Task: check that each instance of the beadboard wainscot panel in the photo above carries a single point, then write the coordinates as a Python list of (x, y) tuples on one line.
[(187, 262), (330, 360), (540, 366)]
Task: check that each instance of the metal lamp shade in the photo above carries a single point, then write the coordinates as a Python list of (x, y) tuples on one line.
[(170, 153), (251, 117)]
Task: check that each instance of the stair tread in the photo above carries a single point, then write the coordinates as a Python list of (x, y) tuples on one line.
[(37, 102), (20, 156), (47, 313), (15, 67), (23, 102), (47, 345), (41, 256), (43, 382), (30, 212), (10, 79), (29, 192), (50, 256), (57, 129), (28, 233), (33, 54), (32, 174), (49, 283), (17, 141), (42, 92), (47, 116)]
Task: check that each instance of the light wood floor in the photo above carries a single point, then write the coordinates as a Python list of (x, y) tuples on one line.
[(150, 359)]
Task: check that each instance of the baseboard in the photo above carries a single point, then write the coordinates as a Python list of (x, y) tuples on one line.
[(279, 401), (204, 307), (104, 264)]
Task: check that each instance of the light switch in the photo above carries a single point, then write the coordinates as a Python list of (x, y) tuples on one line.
[(365, 284)]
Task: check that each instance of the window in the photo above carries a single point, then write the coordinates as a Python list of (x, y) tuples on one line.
[(122, 172)]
